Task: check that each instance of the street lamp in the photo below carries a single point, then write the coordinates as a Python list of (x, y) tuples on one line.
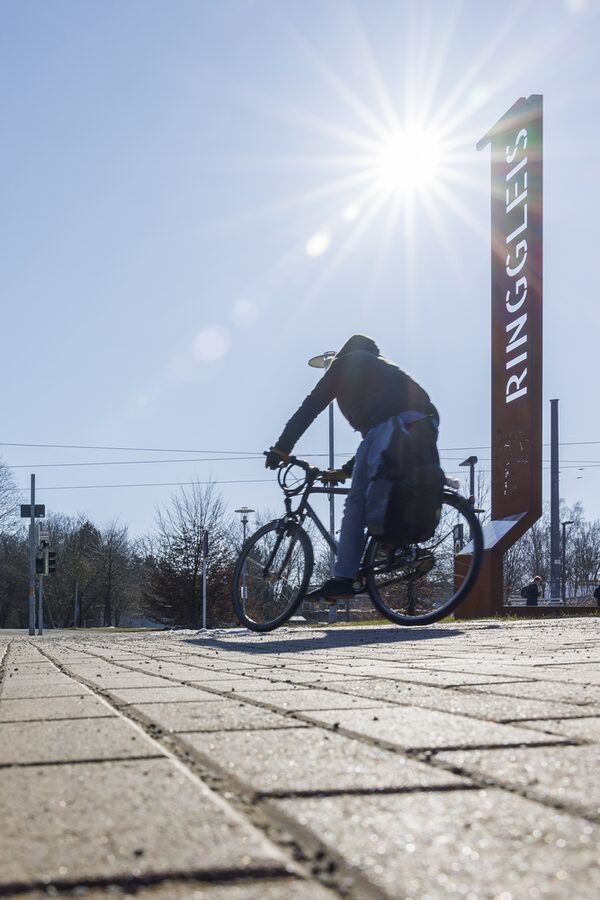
[(563, 577), (244, 512), (323, 362), (470, 461)]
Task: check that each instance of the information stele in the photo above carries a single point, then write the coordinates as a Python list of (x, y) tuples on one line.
[(516, 338)]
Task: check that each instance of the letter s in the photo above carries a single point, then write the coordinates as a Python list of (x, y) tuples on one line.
[(521, 135)]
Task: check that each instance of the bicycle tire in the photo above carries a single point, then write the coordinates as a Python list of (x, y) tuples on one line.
[(264, 601), (416, 585)]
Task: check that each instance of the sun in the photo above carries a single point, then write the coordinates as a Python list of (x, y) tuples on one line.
[(408, 161)]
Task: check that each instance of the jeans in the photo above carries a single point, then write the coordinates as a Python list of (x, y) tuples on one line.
[(351, 541), (352, 533)]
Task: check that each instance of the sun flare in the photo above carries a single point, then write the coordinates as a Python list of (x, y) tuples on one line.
[(408, 161)]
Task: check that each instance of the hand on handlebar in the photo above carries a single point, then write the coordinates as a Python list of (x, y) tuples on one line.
[(275, 458), (333, 477)]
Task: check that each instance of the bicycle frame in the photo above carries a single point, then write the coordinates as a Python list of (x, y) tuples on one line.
[(304, 508)]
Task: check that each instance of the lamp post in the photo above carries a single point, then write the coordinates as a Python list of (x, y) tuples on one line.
[(470, 461), (563, 577), (323, 362), (244, 512)]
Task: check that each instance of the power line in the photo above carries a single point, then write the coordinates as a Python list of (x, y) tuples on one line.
[(85, 487), (135, 449), (133, 462)]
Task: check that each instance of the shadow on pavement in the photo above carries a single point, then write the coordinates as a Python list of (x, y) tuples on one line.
[(296, 641)]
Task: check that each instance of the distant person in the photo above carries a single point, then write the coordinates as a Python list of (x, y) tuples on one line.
[(532, 591), (597, 594), (369, 390)]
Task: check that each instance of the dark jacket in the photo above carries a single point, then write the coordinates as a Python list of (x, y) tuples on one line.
[(368, 388), (532, 591)]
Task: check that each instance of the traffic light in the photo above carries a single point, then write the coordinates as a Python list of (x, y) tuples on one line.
[(40, 562), (51, 557)]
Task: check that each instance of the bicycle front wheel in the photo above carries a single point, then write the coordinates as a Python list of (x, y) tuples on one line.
[(271, 575), (416, 585)]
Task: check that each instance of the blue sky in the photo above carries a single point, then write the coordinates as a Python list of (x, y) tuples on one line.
[(194, 204)]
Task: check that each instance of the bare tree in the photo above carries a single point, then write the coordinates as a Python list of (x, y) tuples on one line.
[(176, 584), (113, 558), (9, 501)]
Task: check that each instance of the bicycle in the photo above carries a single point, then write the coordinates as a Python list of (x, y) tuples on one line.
[(409, 585)]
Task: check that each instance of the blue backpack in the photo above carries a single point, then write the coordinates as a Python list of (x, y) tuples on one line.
[(405, 483)]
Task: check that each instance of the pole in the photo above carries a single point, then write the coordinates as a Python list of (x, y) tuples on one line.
[(76, 598), (40, 603), (204, 555), (470, 462), (564, 556), (32, 560), (554, 504), (244, 511), (563, 579), (323, 362), (332, 495), (471, 493), (204, 594)]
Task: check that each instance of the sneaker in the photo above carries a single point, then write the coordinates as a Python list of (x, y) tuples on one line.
[(333, 589)]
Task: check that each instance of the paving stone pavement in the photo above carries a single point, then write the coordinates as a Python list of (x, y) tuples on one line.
[(458, 760)]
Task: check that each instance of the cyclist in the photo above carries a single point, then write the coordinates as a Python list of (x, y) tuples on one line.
[(369, 390)]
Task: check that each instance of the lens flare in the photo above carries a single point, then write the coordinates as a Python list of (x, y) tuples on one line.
[(408, 161)]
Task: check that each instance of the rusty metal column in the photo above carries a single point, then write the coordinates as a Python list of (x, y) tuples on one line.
[(516, 340)]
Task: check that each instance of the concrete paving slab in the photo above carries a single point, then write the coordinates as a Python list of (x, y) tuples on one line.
[(109, 820), (43, 708), (308, 759), (126, 679), (24, 743), (584, 728), (493, 707), (569, 776), (30, 689), (176, 693), (231, 685), (184, 673), (459, 844), (578, 694), (419, 676), (300, 699), (415, 728), (583, 673), (30, 670), (215, 715)]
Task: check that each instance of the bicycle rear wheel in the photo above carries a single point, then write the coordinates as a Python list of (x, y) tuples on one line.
[(416, 585), (271, 575)]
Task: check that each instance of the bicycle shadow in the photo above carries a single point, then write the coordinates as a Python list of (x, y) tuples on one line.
[(295, 641)]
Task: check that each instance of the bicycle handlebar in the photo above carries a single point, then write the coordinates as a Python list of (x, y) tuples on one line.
[(312, 473)]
